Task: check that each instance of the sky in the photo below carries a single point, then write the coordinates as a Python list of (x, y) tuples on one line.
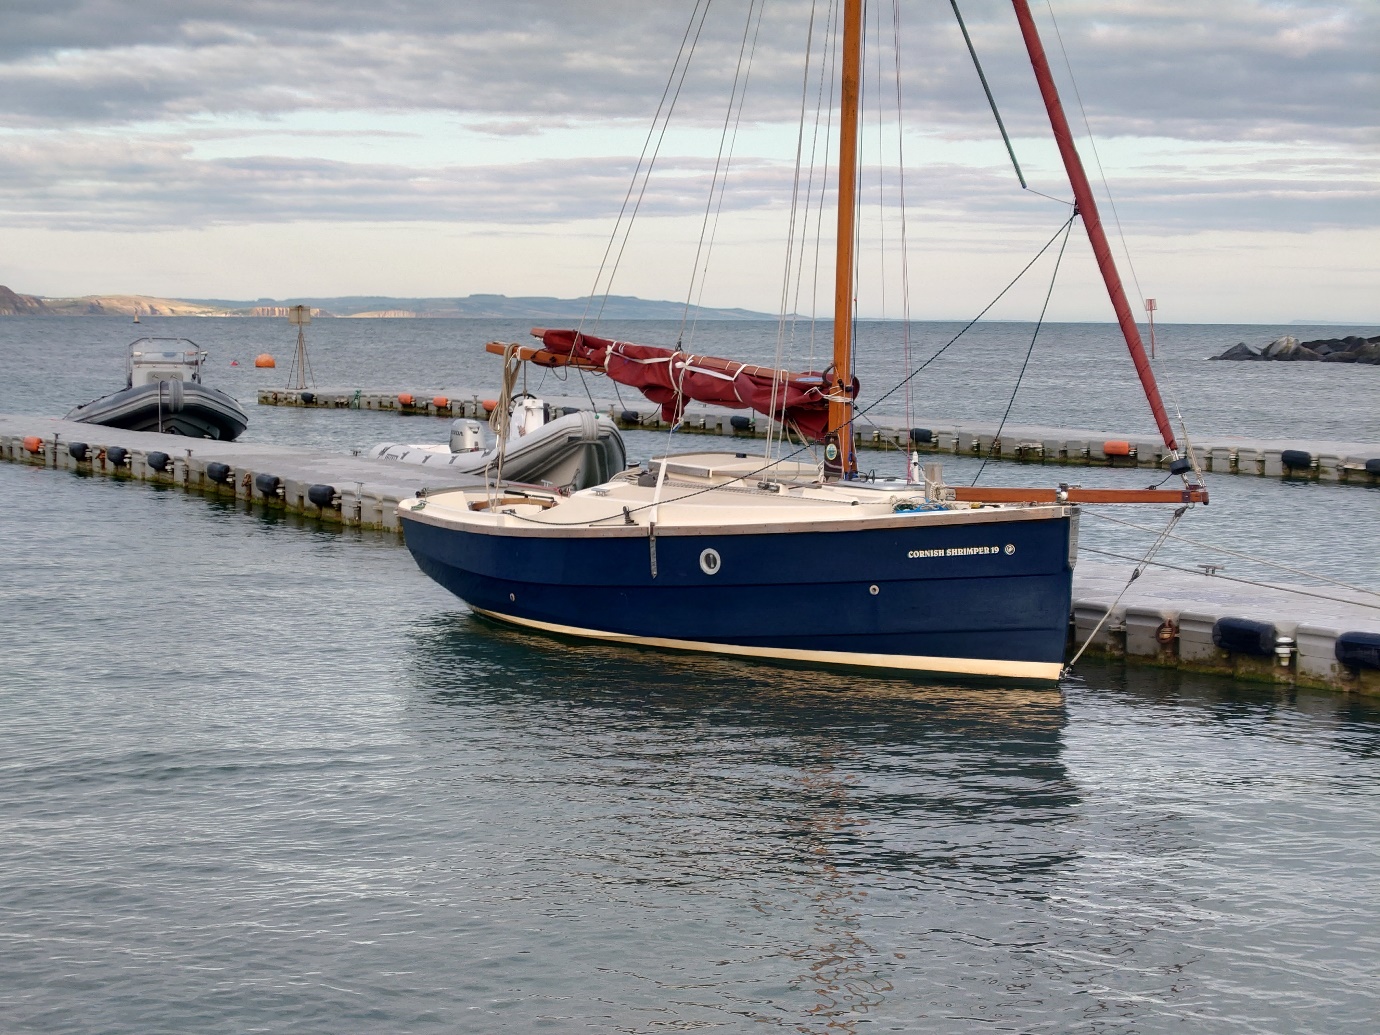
[(244, 149)]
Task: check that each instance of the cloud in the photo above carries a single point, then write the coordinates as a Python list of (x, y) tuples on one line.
[(86, 182), (150, 183), (1231, 70), (140, 115)]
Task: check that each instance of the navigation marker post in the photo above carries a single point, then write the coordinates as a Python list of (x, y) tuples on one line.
[(299, 316)]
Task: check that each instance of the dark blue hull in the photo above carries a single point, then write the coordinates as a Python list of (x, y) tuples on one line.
[(948, 598)]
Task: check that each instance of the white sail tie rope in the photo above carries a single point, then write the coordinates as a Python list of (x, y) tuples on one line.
[(499, 417)]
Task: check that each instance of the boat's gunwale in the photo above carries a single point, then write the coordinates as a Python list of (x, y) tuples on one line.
[(521, 526)]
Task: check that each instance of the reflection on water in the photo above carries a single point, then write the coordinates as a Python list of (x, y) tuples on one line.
[(806, 792), (264, 776)]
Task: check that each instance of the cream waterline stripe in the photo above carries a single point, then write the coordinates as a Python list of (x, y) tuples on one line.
[(1041, 670)]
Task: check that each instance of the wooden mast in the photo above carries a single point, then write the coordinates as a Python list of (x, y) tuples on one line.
[(841, 397), (1087, 208)]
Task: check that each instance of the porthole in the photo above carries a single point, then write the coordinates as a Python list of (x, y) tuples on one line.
[(710, 562)]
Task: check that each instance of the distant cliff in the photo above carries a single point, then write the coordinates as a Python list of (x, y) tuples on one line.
[(128, 305), (14, 304), (537, 309)]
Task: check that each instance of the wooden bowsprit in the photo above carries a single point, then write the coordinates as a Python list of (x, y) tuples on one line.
[(1074, 494)]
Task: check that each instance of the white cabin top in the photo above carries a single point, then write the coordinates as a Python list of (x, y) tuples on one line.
[(146, 366)]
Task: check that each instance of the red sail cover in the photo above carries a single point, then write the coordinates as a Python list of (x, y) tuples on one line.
[(671, 378)]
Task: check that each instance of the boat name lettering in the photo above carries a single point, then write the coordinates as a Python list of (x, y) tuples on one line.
[(954, 551)]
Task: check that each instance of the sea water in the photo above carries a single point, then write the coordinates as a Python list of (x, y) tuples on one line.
[(262, 775)]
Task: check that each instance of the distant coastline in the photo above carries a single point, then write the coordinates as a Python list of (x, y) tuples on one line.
[(494, 307)]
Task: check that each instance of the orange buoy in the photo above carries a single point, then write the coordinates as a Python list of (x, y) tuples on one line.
[(1116, 448), (405, 399), (263, 359), (440, 402), (33, 444), (490, 405)]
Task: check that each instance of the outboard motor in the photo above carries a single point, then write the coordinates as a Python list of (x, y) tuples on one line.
[(465, 436), (529, 414)]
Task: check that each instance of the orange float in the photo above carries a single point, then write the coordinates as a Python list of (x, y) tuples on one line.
[(264, 360), (1116, 448), (440, 402), (405, 399), (33, 444), (490, 405)]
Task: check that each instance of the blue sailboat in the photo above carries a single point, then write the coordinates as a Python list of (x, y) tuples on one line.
[(784, 559)]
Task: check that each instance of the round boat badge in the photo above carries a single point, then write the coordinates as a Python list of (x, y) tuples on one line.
[(710, 562), (1010, 549), (831, 452)]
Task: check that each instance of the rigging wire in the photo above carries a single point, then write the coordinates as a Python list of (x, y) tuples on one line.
[(857, 223), (663, 116), (790, 238), (1092, 142), (992, 101), (826, 73), (1135, 574), (689, 38), (1063, 229), (1244, 556), (901, 189), (996, 113), (716, 186), (732, 149), (828, 36), (808, 447), (881, 159), (1111, 200), (1231, 578), (996, 439)]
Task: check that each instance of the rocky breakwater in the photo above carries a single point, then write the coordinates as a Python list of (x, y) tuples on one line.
[(1351, 349)]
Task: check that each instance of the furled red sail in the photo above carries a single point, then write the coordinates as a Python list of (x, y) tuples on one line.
[(671, 378)]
